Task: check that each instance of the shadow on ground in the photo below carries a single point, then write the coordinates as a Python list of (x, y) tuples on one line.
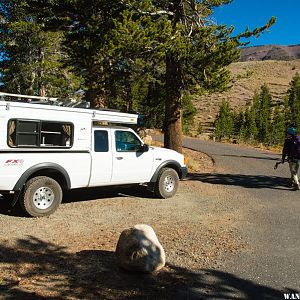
[(246, 181), (79, 195), (277, 158), (88, 194), (35, 269)]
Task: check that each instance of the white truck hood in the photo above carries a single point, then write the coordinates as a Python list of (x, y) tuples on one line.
[(167, 154)]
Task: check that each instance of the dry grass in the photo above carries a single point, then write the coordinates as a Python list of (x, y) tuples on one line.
[(195, 161)]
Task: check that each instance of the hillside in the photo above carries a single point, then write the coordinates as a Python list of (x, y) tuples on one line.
[(248, 76), (270, 52)]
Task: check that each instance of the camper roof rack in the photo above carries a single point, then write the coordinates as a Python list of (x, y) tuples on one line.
[(43, 100), (96, 114)]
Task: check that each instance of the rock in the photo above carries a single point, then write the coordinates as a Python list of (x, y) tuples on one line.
[(138, 249), (147, 139)]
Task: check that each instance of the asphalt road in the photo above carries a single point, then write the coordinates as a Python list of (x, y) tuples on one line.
[(269, 210)]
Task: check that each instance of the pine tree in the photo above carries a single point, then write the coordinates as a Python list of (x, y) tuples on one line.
[(250, 124), (259, 123), (197, 55), (287, 111), (239, 125), (188, 113), (32, 58), (278, 127), (137, 65), (264, 115), (224, 124), (294, 100)]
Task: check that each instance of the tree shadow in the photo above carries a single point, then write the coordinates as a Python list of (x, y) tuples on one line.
[(80, 195), (246, 181), (253, 157), (7, 209), (35, 269)]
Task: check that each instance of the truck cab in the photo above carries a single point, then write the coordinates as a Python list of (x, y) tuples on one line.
[(119, 156)]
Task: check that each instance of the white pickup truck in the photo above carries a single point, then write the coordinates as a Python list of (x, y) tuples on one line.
[(48, 149)]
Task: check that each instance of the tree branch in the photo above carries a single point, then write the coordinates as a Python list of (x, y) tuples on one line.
[(154, 13)]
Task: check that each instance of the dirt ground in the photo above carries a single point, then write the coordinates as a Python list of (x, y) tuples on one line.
[(70, 254)]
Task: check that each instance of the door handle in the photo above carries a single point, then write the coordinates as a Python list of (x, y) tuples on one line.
[(119, 158)]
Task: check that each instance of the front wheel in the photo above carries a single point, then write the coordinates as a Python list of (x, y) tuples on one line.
[(167, 183), (42, 196)]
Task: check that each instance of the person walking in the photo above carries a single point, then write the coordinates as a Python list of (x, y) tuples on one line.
[(291, 150)]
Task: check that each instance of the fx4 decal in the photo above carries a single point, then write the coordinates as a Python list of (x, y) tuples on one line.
[(13, 162)]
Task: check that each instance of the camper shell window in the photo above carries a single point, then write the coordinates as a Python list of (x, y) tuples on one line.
[(37, 133)]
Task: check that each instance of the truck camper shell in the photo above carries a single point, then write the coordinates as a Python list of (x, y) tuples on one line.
[(33, 108)]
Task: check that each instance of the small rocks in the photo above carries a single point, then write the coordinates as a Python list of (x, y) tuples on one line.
[(138, 249)]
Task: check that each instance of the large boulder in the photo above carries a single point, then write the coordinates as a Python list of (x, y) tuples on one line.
[(138, 249)]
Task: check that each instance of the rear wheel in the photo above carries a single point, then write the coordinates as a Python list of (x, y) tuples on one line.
[(42, 196), (167, 183)]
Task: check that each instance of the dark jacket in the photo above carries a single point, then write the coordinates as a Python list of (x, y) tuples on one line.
[(289, 148)]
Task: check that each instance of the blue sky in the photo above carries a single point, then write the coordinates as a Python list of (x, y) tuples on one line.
[(254, 13)]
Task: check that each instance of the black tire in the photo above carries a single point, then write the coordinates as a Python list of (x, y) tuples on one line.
[(41, 197), (167, 183)]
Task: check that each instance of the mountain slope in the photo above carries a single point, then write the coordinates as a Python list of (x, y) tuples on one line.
[(270, 52), (248, 78)]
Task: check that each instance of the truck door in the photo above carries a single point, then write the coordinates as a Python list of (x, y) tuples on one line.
[(130, 165), (101, 158)]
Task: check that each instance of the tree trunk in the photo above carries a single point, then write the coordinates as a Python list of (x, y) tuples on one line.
[(42, 90), (96, 94), (173, 105), (97, 99), (41, 73)]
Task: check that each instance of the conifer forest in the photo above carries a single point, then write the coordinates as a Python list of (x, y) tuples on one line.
[(145, 56), (263, 121)]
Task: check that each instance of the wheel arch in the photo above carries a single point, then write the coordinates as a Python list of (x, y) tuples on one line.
[(51, 170), (167, 164)]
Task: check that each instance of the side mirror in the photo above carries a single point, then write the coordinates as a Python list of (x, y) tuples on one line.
[(144, 148)]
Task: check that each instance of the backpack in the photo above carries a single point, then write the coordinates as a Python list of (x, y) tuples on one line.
[(295, 148)]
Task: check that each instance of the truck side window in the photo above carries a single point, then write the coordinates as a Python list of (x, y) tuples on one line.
[(23, 133), (126, 141), (12, 133), (100, 141), (36, 133), (56, 134)]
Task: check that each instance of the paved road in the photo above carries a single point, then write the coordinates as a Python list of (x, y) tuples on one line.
[(270, 209)]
